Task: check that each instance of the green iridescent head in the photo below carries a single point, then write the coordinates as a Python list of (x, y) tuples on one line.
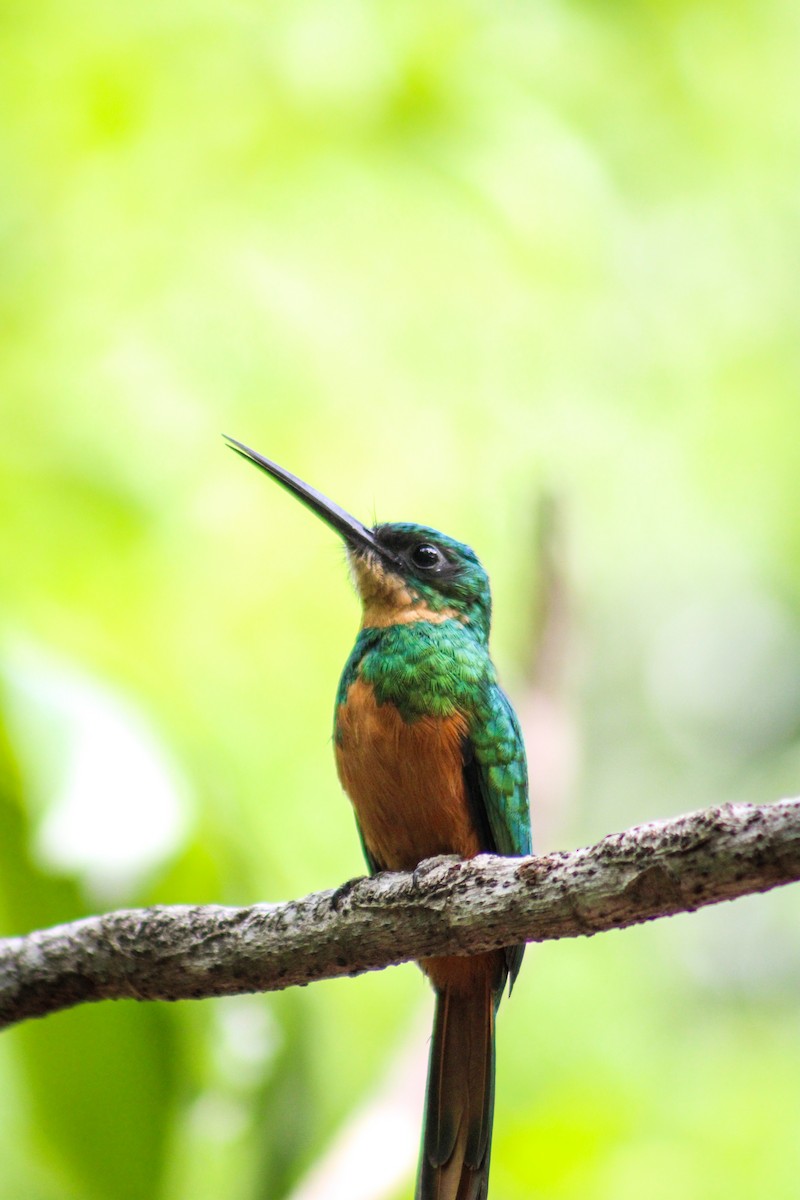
[(403, 572), (444, 575)]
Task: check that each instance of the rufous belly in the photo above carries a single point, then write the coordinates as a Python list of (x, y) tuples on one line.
[(405, 780), (406, 783)]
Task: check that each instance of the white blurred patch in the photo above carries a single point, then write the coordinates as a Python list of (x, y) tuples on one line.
[(114, 806), (375, 1151), (219, 1119), (247, 1038)]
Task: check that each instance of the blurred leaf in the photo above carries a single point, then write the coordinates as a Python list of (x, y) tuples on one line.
[(100, 1080)]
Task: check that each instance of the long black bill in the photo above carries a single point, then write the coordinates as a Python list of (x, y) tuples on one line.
[(354, 533)]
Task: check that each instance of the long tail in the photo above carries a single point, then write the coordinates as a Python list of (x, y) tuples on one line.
[(459, 1103)]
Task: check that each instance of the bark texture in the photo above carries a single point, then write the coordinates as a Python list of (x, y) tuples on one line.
[(444, 907)]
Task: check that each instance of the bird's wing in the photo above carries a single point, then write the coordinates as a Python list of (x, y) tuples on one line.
[(373, 866), (496, 777), (498, 752)]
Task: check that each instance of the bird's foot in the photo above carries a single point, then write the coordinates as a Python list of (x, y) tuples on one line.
[(343, 892), (429, 865)]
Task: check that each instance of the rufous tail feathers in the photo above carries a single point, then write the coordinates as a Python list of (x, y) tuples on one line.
[(459, 1102)]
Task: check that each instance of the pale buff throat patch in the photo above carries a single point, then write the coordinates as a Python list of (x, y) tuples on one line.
[(387, 598)]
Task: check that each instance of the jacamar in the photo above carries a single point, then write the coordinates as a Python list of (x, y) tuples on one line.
[(429, 751)]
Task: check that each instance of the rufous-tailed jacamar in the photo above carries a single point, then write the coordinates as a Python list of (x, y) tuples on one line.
[(430, 753)]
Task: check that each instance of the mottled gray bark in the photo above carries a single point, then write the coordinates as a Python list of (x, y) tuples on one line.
[(444, 907)]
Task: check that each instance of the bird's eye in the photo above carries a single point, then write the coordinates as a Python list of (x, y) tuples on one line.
[(426, 556)]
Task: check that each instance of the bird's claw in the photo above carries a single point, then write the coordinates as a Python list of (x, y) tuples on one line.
[(343, 891), (428, 865)]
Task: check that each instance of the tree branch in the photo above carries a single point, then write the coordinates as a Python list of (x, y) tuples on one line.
[(445, 907)]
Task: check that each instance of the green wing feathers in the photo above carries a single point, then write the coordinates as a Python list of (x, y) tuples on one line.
[(500, 756), (498, 773)]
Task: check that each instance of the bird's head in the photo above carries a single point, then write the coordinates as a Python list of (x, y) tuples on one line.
[(403, 572)]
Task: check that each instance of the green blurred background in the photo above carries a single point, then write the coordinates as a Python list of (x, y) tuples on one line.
[(439, 260)]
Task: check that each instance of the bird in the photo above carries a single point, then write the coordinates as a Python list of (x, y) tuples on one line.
[(430, 753)]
